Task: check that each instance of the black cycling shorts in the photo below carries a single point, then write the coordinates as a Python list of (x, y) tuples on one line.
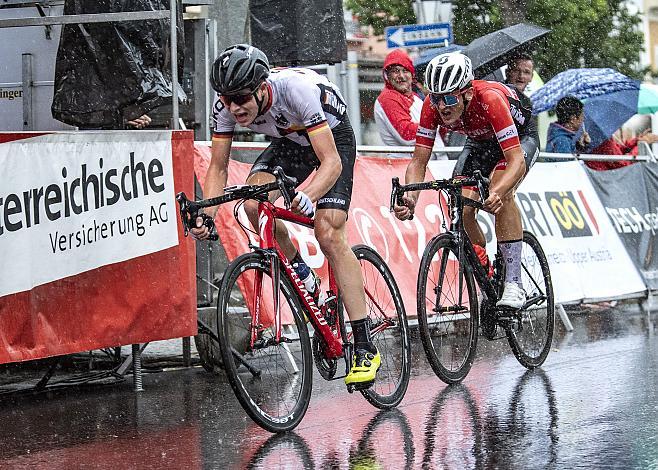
[(485, 155), (300, 161)]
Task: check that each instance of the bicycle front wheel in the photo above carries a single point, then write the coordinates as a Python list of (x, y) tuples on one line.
[(388, 328), (271, 379), (447, 310), (531, 337)]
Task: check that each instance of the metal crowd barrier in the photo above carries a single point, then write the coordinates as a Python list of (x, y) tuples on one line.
[(647, 155)]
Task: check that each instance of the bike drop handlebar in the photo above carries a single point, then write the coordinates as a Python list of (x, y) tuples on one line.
[(190, 210), (477, 180)]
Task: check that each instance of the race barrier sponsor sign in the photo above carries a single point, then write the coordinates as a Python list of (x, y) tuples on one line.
[(89, 236), (630, 198), (558, 205)]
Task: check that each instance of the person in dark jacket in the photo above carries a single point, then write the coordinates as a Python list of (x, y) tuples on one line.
[(568, 135)]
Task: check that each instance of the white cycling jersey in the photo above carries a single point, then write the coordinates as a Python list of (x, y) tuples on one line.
[(302, 101)]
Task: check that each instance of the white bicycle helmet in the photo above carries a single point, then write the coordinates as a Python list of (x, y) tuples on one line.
[(448, 72)]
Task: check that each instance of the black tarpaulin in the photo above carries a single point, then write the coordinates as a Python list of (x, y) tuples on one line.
[(109, 73), (297, 32)]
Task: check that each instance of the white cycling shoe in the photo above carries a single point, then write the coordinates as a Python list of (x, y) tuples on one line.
[(513, 296)]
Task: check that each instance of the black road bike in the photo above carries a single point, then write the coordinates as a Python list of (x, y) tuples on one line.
[(447, 291)]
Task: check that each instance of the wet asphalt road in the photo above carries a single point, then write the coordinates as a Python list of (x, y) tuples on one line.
[(592, 405)]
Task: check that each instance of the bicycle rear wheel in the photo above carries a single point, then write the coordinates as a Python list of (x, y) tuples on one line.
[(531, 337), (447, 310), (389, 329), (271, 380)]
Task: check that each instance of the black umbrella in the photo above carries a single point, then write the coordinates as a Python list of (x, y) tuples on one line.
[(493, 50)]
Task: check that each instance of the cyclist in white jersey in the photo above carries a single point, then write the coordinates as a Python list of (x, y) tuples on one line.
[(306, 116)]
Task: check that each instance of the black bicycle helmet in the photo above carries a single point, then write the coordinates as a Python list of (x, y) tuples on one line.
[(237, 68)]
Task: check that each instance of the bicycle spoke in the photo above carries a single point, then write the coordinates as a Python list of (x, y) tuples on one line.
[(387, 320), (530, 336), (446, 307), (277, 396)]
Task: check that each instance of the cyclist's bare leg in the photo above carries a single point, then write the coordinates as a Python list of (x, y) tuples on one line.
[(471, 224), (508, 219), (331, 234), (251, 208)]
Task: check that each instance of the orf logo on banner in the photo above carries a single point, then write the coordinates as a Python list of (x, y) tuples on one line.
[(570, 218)]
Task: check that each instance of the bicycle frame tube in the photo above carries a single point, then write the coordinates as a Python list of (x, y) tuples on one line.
[(268, 213), (466, 248)]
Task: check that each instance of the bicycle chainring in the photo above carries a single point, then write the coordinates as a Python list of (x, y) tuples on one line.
[(326, 367)]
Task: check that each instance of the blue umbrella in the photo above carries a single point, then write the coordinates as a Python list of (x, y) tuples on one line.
[(605, 114), (581, 83)]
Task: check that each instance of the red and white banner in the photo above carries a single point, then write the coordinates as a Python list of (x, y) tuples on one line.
[(89, 238), (557, 202)]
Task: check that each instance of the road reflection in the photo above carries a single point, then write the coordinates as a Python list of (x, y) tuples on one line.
[(527, 436), (452, 431), (287, 450), (386, 436)]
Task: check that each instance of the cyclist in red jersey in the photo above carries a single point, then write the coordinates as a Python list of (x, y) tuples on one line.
[(502, 142)]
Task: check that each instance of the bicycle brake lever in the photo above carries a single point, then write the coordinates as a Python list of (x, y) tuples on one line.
[(283, 181), (483, 185), (396, 196), (183, 209), (210, 225)]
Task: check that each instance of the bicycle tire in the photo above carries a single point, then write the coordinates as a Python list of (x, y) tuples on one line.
[(282, 408), (531, 343), (451, 358), (392, 343)]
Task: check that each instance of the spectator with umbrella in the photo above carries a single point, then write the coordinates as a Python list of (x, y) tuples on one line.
[(519, 72), (567, 135)]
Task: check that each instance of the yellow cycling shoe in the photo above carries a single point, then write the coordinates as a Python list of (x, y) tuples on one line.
[(364, 367)]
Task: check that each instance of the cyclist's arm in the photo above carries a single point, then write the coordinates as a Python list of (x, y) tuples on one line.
[(425, 137), (322, 141), (222, 138), (417, 167), (307, 104), (217, 171), (497, 110)]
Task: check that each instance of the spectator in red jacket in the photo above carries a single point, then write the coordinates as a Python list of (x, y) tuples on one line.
[(397, 109), (616, 146)]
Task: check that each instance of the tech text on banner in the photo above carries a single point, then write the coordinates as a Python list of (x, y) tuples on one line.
[(633, 213)]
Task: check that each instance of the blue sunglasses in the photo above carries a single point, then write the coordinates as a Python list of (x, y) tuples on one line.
[(447, 100)]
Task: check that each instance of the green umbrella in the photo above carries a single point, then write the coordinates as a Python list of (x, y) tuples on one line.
[(647, 102)]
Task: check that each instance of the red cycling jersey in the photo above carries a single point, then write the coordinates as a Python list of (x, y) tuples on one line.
[(495, 111)]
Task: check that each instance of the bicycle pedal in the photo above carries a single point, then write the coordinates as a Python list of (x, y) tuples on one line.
[(360, 386)]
